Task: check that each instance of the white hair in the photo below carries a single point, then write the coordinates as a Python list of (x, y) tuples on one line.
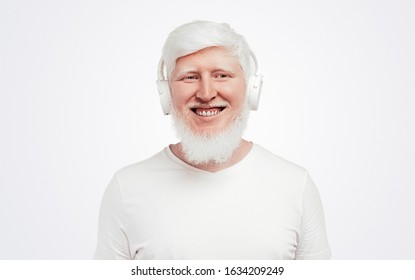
[(195, 36), (217, 147)]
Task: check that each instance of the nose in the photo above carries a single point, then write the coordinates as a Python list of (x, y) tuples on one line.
[(206, 91)]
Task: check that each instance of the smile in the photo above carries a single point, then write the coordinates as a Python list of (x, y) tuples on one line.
[(208, 112)]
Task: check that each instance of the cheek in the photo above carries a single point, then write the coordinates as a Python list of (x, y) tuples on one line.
[(236, 93), (177, 94), (181, 92)]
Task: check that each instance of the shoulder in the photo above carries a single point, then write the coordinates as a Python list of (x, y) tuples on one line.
[(271, 161), (145, 169), (156, 161), (278, 173)]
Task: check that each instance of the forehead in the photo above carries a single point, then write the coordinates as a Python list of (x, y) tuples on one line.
[(209, 57)]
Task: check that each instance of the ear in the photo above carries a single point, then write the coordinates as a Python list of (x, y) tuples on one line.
[(164, 95), (163, 89), (253, 91)]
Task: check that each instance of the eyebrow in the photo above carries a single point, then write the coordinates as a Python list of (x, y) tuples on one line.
[(223, 69), (185, 71), (194, 70)]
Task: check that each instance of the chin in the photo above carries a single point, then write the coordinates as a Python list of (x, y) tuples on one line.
[(210, 144), (209, 132)]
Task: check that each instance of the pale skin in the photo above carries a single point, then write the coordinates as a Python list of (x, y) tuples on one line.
[(208, 91)]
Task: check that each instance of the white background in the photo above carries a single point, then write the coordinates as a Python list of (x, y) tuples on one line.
[(78, 102)]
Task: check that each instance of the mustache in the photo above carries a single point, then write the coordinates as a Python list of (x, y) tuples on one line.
[(208, 105)]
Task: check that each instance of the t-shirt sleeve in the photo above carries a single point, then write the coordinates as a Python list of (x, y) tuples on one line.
[(112, 241), (313, 243)]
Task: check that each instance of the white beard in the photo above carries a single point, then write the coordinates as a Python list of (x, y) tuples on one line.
[(216, 148)]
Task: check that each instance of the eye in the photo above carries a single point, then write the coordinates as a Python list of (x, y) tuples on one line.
[(190, 78), (221, 76)]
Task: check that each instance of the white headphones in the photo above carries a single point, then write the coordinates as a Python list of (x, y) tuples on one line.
[(253, 89)]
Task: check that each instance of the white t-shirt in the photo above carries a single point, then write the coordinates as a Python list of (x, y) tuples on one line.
[(264, 207)]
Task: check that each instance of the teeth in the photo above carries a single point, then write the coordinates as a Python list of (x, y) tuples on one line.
[(207, 113)]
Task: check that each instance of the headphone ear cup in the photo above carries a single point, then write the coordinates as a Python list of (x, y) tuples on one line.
[(254, 91), (164, 95)]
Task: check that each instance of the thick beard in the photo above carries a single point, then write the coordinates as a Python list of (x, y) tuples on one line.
[(214, 148)]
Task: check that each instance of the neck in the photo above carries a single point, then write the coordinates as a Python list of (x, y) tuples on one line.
[(240, 152)]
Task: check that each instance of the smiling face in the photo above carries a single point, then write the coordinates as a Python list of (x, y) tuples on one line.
[(208, 90)]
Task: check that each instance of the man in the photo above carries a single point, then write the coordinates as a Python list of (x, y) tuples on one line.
[(214, 195)]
